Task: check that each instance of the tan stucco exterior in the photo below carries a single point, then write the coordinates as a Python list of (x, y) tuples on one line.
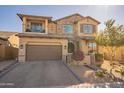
[(55, 28), (87, 21), (38, 41)]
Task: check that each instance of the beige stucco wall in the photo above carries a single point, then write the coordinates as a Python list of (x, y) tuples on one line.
[(52, 28), (69, 20), (83, 46), (41, 41)]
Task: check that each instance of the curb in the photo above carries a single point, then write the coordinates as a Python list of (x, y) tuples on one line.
[(80, 81), (8, 68)]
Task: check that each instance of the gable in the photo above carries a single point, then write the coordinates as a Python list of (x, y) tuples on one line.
[(69, 19), (89, 20)]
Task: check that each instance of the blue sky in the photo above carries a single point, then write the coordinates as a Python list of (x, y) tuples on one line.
[(9, 21)]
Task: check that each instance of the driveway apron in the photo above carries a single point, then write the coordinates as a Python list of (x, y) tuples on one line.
[(39, 74)]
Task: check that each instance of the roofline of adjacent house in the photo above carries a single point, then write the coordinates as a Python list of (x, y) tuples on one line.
[(22, 15), (69, 16), (8, 31), (2, 38)]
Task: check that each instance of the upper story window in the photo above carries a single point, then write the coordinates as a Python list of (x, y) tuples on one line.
[(68, 28), (87, 29), (37, 27)]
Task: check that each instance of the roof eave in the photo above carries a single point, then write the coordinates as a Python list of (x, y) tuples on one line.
[(22, 15), (93, 19)]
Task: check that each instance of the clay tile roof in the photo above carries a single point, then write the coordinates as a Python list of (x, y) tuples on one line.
[(22, 15), (69, 16)]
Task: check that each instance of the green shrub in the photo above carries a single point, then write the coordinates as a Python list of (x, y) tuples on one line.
[(122, 70), (99, 57), (99, 74)]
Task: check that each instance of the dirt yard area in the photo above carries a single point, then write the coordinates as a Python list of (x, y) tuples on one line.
[(106, 65), (88, 75)]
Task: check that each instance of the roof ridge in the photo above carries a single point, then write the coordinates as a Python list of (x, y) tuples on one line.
[(69, 16)]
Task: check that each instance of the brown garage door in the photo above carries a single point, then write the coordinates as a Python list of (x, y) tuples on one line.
[(43, 52)]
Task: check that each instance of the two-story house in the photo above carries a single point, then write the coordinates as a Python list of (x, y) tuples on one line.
[(46, 39)]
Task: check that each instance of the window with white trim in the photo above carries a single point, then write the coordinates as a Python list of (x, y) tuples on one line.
[(37, 27), (68, 28), (88, 29)]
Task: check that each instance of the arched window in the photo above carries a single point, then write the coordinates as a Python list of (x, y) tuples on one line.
[(70, 47)]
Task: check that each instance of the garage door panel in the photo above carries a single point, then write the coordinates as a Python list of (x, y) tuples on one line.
[(43, 52)]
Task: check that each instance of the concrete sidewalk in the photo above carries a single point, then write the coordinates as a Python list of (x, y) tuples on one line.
[(5, 64)]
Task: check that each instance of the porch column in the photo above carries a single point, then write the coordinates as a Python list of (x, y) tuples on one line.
[(24, 24), (46, 26)]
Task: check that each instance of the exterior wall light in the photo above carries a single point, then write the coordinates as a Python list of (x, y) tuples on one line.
[(65, 47), (21, 46)]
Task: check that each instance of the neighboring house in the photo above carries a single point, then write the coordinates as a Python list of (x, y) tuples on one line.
[(9, 44), (3, 41), (9, 39), (45, 39)]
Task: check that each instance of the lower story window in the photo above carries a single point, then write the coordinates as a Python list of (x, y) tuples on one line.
[(91, 47)]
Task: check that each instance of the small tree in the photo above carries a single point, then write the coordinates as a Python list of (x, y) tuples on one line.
[(111, 38), (78, 54)]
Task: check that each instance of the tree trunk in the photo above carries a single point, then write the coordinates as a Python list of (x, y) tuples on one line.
[(111, 61)]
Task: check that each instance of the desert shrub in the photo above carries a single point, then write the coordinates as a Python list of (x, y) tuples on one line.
[(85, 63), (99, 57), (90, 51), (98, 65), (122, 70), (99, 74), (78, 55)]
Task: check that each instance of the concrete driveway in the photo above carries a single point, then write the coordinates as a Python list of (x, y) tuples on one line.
[(39, 74)]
